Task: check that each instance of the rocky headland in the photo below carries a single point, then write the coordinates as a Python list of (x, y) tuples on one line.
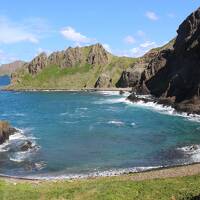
[(169, 73), (173, 75)]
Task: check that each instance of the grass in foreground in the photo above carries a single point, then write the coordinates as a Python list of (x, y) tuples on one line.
[(104, 188)]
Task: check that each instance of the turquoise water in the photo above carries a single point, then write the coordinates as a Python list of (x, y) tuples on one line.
[(79, 133)]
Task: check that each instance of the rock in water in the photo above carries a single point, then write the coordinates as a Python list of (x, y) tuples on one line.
[(26, 146), (5, 131)]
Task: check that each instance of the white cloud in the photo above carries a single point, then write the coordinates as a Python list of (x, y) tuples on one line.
[(151, 15), (71, 34), (148, 44), (107, 47), (129, 39), (13, 32), (139, 50)]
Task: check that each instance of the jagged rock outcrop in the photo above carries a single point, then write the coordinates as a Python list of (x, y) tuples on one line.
[(175, 73), (94, 55), (56, 58), (72, 57), (97, 55), (104, 81), (5, 131), (131, 77), (37, 64), (145, 68)]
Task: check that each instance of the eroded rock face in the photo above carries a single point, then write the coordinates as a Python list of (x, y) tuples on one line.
[(72, 57), (131, 77), (37, 64), (175, 73), (5, 131), (97, 55), (104, 81), (56, 58), (180, 73)]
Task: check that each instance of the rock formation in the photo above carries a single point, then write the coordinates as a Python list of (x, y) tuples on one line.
[(5, 131), (174, 74), (97, 55), (94, 55), (104, 81), (37, 64)]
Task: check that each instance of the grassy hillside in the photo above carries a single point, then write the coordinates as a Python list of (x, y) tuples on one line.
[(76, 77), (116, 188)]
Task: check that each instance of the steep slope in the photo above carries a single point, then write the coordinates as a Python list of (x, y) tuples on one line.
[(174, 74), (73, 68), (139, 71), (8, 69)]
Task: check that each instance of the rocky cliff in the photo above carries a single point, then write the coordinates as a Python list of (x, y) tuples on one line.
[(8, 69), (174, 74), (74, 68), (71, 57)]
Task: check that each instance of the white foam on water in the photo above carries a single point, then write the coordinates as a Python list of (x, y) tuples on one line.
[(109, 93), (133, 124), (193, 151), (118, 123), (4, 147), (19, 156), (107, 173), (64, 113)]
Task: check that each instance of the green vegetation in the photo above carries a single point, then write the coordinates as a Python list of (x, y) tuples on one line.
[(104, 188), (76, 77)]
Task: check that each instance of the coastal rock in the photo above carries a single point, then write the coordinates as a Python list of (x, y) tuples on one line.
[(5, 131), (97, 55), (104, 81), (131, 77), (173, 75), (37, 64), (25, 146)]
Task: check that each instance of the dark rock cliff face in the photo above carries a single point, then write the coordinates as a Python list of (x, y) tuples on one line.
[(175, 73)]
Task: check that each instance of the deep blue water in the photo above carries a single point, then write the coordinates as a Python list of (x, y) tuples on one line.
[(84, 133), (4, 80)]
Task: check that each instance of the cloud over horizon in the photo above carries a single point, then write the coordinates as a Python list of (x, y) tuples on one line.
[(71, 34), (151, 15)]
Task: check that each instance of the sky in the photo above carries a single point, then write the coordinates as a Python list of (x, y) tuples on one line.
[(123, 27)]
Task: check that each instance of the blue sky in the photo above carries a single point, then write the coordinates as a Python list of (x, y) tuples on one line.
[(125, 27)]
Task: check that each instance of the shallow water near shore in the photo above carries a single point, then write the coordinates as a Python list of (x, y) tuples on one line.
[(81, 134)]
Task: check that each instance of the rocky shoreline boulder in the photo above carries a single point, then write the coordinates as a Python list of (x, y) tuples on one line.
[(5, 131)]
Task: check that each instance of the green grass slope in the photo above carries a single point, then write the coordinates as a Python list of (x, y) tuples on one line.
[(116, 188), (76, 77)]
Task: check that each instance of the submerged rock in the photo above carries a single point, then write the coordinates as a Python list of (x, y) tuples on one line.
[(5, 131)]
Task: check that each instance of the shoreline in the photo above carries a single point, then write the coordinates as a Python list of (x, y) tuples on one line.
[(68, 90), (151, 174)]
